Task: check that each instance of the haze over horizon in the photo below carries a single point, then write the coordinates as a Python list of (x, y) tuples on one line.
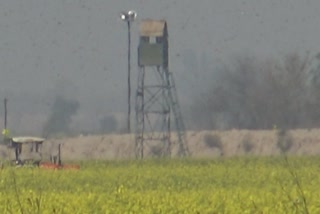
[(78, 48)]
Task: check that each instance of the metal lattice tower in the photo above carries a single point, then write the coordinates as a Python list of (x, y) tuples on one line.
[(156, 98)]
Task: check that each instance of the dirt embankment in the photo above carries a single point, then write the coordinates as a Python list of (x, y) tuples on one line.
[(202, 144)]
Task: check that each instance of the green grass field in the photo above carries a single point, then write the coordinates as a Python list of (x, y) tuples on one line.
[(236, 185)]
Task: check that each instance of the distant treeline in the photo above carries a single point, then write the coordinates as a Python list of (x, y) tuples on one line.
[(260, 94)]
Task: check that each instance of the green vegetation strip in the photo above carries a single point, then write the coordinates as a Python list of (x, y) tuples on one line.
[(236, 185)]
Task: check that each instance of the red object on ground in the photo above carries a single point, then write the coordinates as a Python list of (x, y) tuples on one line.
[(49, 166), (57, 166)]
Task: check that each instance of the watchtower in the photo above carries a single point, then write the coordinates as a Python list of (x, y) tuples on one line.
[(156, 96)]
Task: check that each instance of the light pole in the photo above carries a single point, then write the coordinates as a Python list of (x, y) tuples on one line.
[(129, 17), (5, 131)]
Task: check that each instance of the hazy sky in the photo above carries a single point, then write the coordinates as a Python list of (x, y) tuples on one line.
[(78, 47)]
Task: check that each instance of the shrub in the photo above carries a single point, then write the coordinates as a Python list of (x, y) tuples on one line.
[(213, 141), (247, 144), (157, 150), (284, 141)]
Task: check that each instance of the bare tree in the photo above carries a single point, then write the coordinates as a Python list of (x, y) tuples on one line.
[(62, 112), (257, 94)]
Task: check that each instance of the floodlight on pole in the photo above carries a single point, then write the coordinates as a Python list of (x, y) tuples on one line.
[(129, 17)]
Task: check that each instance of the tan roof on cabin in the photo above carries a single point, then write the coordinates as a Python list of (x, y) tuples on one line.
[(27, 139), (150, 27)]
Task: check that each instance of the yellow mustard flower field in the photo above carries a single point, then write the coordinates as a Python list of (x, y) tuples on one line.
[(233, 185)]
